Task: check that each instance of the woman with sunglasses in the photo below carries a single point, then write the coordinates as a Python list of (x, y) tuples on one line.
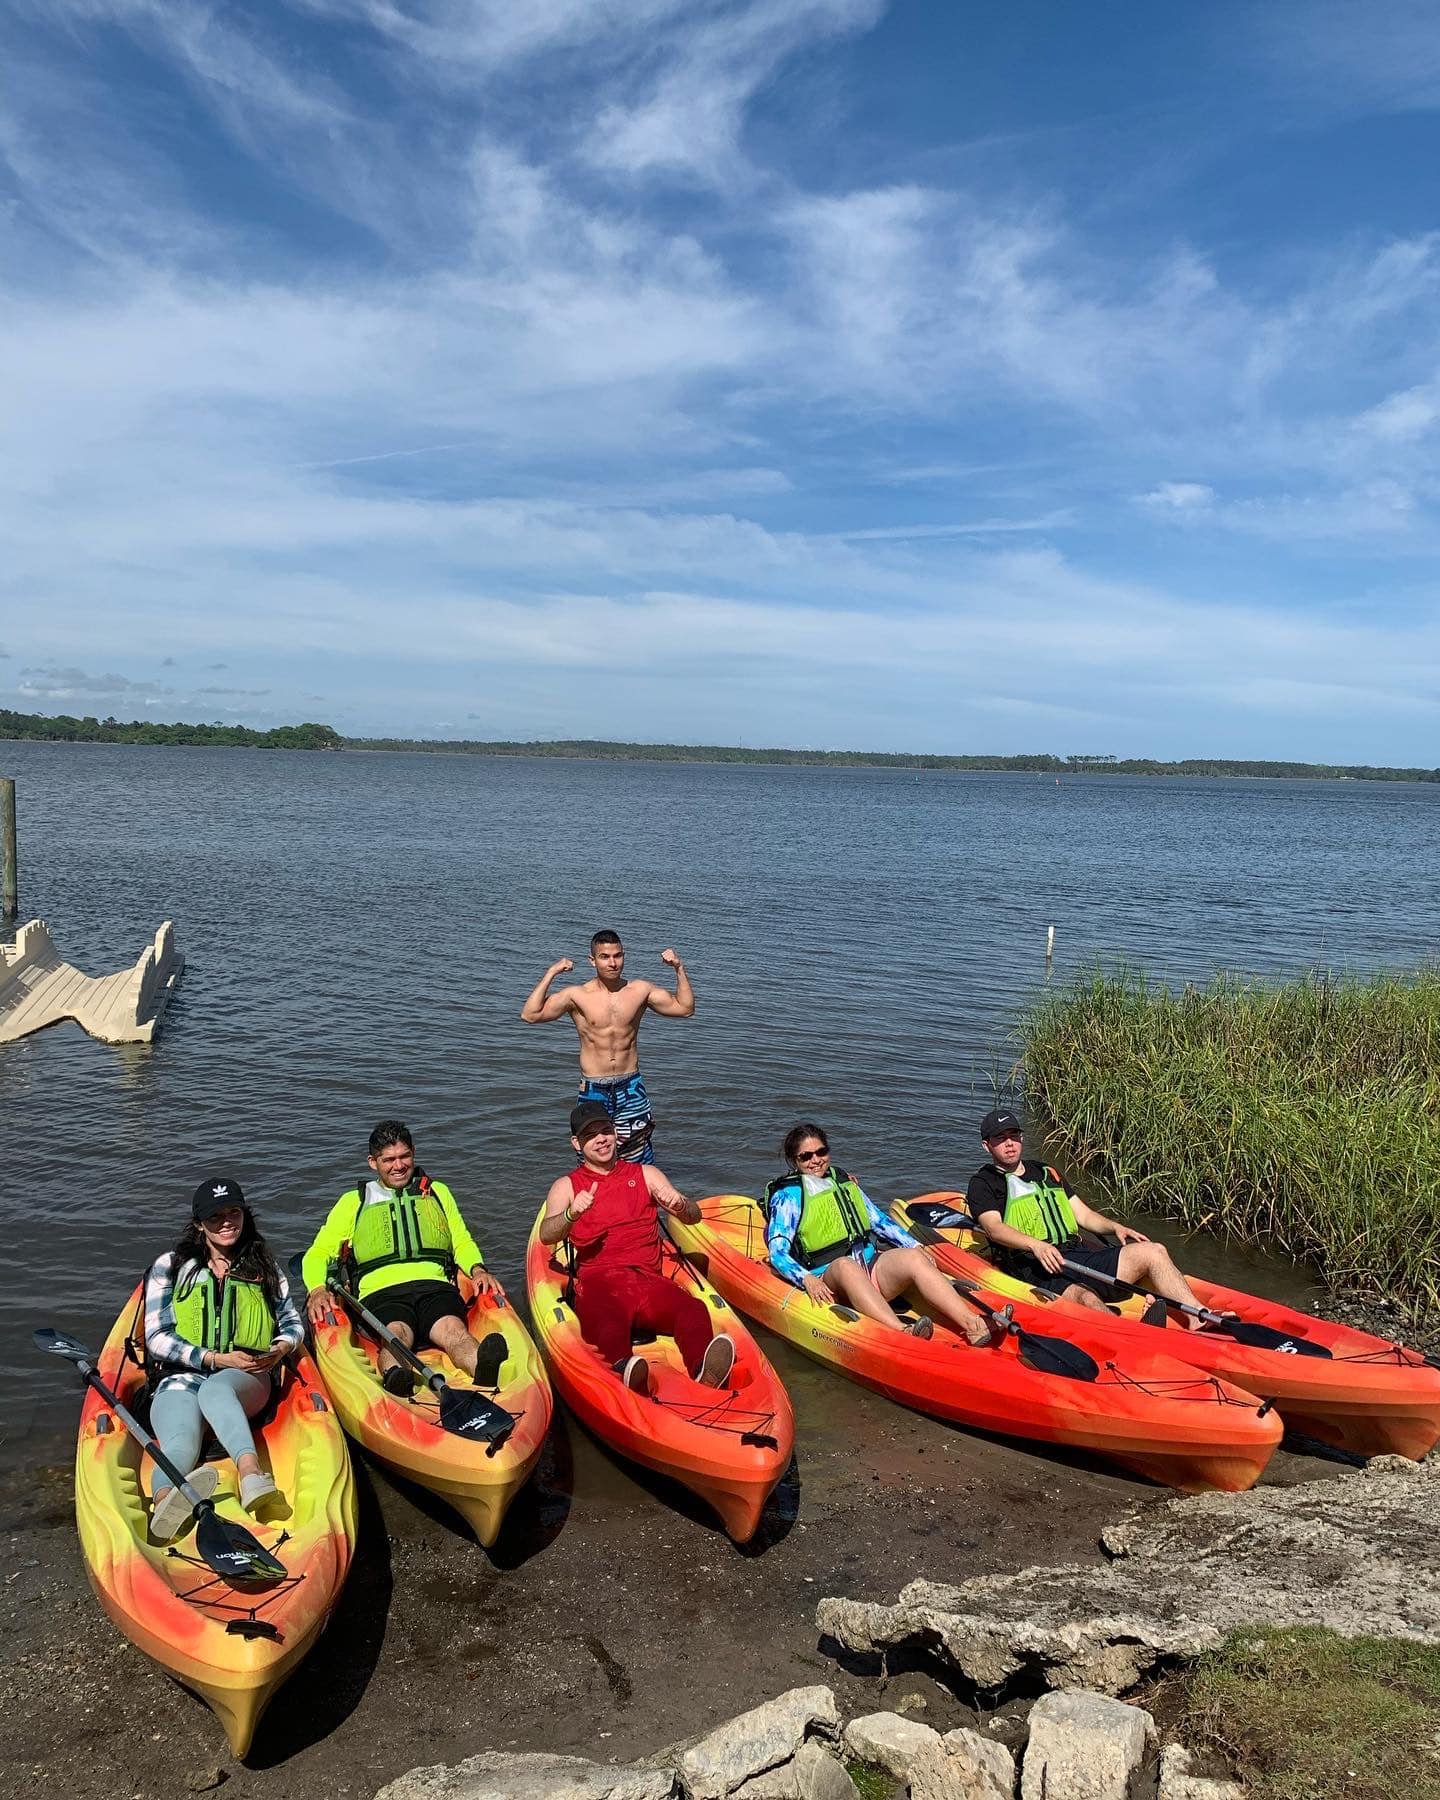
[(219, 1321), (825, 1235)]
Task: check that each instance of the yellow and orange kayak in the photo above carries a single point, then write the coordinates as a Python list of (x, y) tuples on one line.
[(233, 1644), (1363, 1394), (407, 1435), (730, 1445), (1146, 1410)]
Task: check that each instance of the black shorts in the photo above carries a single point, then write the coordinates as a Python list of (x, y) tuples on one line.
[(1103, 1258), (419, 1304)]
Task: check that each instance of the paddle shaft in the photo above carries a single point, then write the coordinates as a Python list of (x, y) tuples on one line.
[(137, 1430), (1208, 1314), (387, 1337)]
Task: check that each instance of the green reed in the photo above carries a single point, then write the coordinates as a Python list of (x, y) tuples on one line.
[(1305, 1117)]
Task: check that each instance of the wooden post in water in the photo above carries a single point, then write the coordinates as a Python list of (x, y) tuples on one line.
[(1049, 947), (10, 903)]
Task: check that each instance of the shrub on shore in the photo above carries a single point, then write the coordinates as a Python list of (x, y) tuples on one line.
[(1304, 1116)]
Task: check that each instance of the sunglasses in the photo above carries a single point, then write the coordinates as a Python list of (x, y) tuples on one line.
[(812, 1155)]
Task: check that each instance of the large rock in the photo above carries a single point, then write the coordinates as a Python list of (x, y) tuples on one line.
[(1084, 1746), (821, 1776), (1177, 1783), (889, 1741), (811, 1774), (502, 1775), (1354, 1554), (962, 1765), (759, 1740)]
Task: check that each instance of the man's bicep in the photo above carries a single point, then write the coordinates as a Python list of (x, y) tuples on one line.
[(561, 1194)]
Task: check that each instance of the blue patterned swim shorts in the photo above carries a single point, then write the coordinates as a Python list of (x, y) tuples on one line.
[(628, 1105)]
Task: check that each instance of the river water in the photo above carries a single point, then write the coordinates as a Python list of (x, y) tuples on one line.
[(360, 931)]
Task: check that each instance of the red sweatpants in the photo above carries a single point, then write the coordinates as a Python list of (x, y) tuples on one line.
[(611, 1303)]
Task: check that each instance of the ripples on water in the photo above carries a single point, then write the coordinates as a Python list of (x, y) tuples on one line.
[(361, 930)]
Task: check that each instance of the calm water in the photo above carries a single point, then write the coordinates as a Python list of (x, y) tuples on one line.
[(361, 930)]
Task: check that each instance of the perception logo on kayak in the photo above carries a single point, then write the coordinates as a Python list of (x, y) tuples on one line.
[(827, 1337)]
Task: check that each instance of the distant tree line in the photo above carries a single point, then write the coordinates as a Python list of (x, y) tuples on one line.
[(62, 728), (604, 750), (324, 737)]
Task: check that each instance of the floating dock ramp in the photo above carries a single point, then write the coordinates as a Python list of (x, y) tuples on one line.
[(37, 988)]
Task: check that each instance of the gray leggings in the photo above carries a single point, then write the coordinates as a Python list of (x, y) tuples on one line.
[(226, 1401)]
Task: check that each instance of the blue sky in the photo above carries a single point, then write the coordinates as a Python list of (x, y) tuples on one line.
[(954, 377)]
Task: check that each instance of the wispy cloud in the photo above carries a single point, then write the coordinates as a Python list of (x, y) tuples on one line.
[(55, 683), (552, 332), (1186, 498)]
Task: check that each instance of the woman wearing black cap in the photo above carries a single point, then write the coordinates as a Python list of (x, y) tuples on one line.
[(219, 1321)]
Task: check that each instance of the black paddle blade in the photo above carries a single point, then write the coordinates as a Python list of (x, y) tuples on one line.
[(232, 1551), (1268, 1337), (470, 1415), (939, 1216), (1046, 1355), (60, 1343), (1053, 1356)]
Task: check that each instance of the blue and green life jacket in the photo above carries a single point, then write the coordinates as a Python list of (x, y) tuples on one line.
[(834, 1218)]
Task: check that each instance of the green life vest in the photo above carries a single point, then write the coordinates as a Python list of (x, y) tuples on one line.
[(408, 1227), (833, 1220), (1041, 1209), (223, 1315)]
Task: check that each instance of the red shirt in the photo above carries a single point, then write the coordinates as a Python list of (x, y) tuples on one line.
[(619, 1229)]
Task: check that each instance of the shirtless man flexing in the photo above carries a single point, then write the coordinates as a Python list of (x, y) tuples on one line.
[(607, 1012)]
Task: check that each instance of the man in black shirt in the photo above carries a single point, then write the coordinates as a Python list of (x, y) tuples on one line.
[(1035, 1226)]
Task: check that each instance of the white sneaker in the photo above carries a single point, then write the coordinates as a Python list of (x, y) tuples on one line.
[(172, 1512), (256, 1489), (635, 1373)]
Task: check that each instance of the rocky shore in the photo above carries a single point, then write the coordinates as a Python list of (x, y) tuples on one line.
[(612, 1620), (1352, 1555)]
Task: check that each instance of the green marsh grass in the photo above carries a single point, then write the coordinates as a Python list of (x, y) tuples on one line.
[(1305, 1715), (1303, 1117)]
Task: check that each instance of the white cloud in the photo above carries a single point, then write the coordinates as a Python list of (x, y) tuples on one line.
[(1184, 497), (1403, 418)]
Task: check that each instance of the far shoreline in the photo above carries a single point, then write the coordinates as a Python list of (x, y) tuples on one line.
[(312, 736)]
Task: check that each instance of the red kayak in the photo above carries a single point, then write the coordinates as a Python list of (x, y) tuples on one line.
[(1142, 1408), (730, 1445), (1360, 1393)]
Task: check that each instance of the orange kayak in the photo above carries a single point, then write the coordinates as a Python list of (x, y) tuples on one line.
[(1144, 1409), (232, 1644), (407, 1435), (729, 1445), (1364, 1394)]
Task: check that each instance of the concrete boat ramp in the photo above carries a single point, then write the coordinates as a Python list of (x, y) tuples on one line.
[(38, 988)]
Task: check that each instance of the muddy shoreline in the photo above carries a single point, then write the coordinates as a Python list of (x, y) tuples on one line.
[(612, 1617)]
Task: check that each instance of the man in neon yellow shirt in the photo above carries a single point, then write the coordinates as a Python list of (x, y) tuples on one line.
[(401, 1239)]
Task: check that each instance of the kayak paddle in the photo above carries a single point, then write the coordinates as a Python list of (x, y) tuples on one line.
[(228, 1548), (1046, 1355), (1244, 1331), (464, 1411)]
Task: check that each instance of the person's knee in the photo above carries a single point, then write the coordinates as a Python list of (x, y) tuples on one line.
[(403, 1332)]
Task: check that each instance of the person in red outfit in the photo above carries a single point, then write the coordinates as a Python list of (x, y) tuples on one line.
[(605, 1209)]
